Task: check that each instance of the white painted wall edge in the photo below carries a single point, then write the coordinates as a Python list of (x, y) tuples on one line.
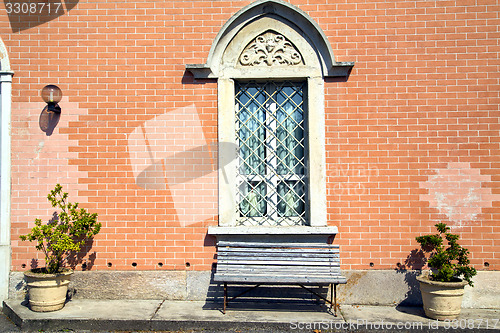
[(5, 173)]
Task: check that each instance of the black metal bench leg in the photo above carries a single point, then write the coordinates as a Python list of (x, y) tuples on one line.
[(225, 298), (331, 297), (335, 305)]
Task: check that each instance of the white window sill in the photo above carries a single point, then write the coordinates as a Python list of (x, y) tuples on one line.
[(256, 230)]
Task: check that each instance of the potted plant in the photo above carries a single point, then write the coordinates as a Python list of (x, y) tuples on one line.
[(64, 235), (443, 288)]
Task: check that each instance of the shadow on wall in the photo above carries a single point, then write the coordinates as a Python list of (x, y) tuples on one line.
[(48, 121), (74, 260), (412, 268), (27, 14), (83, 257), (182, 167), (170, 152)]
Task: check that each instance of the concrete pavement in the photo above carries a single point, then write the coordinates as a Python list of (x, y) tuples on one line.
[(82, 315)]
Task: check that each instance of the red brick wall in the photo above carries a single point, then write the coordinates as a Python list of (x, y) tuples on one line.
[(412, 136)]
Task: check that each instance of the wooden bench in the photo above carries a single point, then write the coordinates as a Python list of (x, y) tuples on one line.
[(279, 263)]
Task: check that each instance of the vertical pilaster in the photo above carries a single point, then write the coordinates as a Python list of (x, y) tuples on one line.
[(5, 118)]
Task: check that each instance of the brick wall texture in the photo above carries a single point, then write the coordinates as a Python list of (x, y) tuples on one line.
[(412, 137)]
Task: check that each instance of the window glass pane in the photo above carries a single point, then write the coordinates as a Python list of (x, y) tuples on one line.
[(254, 199), (291, 201), (252, 134), (290, 131)]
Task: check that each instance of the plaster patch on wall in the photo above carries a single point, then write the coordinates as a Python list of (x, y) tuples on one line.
[(39, 149), (459, 192), (43, 159), (39, 161)]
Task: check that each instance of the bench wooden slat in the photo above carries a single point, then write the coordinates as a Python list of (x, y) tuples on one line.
[(283, 279), (280, 275), (270, 260), (251, 271), (277, 252), (274, 245), (237, 251), (277, 270), (235, 267), (243, 247), (276, 262), (273, 256), (239, 263)]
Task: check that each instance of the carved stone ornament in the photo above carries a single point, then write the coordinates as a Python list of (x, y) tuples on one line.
[(270, 49)]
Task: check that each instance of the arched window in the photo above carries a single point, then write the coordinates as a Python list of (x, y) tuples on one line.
[(270, 60)]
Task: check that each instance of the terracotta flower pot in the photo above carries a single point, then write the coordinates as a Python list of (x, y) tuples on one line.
[(47, 292), (442, 300)]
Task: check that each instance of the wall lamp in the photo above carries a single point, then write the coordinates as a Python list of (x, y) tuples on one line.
[(52, 94)]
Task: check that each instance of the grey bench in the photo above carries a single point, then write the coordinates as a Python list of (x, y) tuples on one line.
[(279, 263)]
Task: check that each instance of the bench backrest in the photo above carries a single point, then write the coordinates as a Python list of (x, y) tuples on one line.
[(267, 262)]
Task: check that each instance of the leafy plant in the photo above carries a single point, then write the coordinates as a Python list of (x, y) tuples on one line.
[(449, 263), (64, 235)]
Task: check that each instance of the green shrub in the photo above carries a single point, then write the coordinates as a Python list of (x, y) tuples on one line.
[(449, 263), (65, 234)]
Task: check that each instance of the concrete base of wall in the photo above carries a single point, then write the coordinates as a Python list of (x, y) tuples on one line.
[(382, 287), (364, 287)]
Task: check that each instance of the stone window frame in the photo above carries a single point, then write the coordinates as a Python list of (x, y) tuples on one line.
[(223, 63)]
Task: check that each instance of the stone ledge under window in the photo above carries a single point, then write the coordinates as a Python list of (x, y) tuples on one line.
[(286, 235)]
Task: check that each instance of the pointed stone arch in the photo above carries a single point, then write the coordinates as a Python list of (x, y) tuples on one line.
[(4, 59), (254, 20)]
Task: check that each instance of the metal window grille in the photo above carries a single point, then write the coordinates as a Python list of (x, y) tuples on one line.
[(271, 177)]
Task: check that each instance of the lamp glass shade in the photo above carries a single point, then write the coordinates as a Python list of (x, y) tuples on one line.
[(51, 94)]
